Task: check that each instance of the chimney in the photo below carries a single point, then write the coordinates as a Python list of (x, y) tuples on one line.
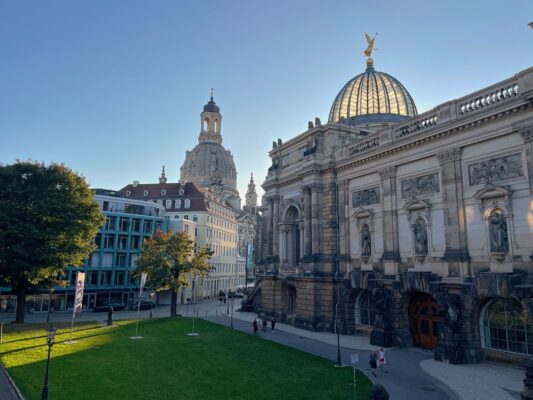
[(135, 183)]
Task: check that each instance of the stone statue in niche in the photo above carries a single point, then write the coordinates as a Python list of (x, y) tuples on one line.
[(499, 240), (421, 237), (366, 242)]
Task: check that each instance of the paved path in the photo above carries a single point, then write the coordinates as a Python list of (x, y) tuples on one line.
[(6, 390), (405, 380)]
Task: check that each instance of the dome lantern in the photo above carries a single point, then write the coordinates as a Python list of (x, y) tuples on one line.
[(210, 120), (372, 98)]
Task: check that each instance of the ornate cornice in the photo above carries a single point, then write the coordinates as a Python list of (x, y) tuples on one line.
[(385, 150)]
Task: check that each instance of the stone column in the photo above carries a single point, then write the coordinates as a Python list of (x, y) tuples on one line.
[(283, 246), (344, 236), (307, 221), (456, 254), (527, 135), (270, 220), (391, 250), (275, 226), (315, 220), (301, 236)]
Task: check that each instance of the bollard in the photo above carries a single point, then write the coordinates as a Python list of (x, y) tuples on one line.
[(110, 312), (527, 393), (379, 393)]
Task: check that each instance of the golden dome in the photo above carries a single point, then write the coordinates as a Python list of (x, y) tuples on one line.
[(372, 98)]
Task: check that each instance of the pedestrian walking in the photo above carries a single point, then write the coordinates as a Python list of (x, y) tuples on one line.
[(265, 323), (382, 360), (373, 362), (254, 326), (273, 324)]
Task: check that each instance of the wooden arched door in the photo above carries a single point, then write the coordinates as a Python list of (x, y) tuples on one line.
[(423, 320)]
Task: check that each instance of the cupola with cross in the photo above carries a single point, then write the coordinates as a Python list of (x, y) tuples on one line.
[(211, 120)]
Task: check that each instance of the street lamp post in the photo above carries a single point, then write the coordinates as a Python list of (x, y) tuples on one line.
[(51, 334), (3, 304), (231, 301)]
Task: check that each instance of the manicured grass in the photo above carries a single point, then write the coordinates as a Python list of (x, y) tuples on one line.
[(219, 364)]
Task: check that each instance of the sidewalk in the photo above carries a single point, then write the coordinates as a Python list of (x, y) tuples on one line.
[(485, 381)]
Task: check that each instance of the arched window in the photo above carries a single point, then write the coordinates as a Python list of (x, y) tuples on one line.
[(505, 327), (205, 125), (187, 203), (365, 314), (216, 125)]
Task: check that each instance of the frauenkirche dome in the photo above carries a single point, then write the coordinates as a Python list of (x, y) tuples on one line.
[(372, 98)]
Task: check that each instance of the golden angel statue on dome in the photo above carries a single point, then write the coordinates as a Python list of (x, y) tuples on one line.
[(370, 48)]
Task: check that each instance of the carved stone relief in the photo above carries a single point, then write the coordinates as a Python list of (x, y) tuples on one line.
[(421, 185), (496, 169), (366, 197)]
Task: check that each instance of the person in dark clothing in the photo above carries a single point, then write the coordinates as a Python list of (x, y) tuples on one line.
[(373, 362), (273, 323)]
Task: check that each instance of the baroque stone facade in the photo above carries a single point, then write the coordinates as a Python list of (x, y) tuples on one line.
[(417, 232)]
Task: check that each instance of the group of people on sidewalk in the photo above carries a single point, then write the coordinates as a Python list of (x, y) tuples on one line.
[(262, 323), (378, 357)]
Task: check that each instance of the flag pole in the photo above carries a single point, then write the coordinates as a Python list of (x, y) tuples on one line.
[(141, 287), (193, 333), (78, 301), (71, 327), (138, 315)]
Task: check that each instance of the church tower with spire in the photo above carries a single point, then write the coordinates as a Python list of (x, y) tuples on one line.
[(209, 164), (251, 197)]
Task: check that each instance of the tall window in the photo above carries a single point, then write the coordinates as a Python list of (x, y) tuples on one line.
[(110, 223), (168, 203), (136, 225), (147, 228), (187, 203), (505, 327), (178, 203), (124, 224), (365, 314)]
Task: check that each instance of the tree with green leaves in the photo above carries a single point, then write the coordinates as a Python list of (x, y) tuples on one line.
[(170, 261), (48, 221)]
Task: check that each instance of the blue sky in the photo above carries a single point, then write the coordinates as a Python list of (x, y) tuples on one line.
[(114, 89)]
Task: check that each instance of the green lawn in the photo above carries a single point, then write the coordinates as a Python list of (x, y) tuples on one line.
[(219, 364)]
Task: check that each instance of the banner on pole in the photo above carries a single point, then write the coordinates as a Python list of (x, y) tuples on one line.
[(143, 282), (78, 300), (249, 256)]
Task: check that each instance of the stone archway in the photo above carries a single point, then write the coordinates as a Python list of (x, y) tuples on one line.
[(423, 320)]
